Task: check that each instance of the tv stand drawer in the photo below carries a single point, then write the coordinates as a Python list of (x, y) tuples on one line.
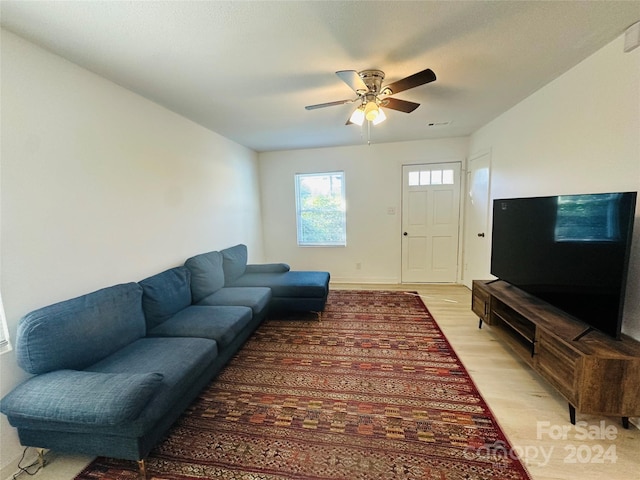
[(558, 364), (480, 301)]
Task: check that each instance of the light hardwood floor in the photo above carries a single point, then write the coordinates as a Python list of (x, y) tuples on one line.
[(532, 415)]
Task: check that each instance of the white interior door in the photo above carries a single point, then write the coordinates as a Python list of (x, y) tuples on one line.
[(430, 222), (477, 238)]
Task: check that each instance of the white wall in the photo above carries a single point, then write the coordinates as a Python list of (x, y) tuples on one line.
[(100, 186), (578, 134), (373, 185)]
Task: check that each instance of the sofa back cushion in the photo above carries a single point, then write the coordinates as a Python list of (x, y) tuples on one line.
[(76, 333), (234, 263), (207, 275), (165, 294)]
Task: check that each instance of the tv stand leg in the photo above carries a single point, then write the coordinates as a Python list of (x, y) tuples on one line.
[(572, 414), (479, 323), (625, 423)]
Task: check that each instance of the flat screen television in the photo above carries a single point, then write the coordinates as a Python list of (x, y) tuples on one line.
[(571, 251)]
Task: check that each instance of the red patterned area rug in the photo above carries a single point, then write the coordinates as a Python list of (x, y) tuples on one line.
[(374, 391)]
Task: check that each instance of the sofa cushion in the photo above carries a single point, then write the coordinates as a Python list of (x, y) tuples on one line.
[(256, 298), (165, 294), (267, 268), (234, 262), (180, 360), (75, 333), (289, 284), (220, 323), (79, 397), (207, 274)]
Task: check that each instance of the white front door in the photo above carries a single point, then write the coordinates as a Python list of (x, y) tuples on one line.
[(430, 219), (477, 237)]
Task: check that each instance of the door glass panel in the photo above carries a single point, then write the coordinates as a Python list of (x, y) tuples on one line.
[(447, 177)]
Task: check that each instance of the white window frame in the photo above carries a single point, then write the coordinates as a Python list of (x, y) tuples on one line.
[(339, 211), (5, 345)]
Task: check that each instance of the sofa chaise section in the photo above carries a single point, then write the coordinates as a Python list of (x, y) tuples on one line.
[(291, 290)]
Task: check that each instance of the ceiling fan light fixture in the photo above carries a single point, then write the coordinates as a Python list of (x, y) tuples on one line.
[(371, 111), (381, 117), (357, 116), (372, 95)]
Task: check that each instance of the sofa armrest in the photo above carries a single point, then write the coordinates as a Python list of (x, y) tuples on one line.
[(80, 397), (267, 268)]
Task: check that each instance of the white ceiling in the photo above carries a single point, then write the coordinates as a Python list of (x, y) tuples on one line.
[(246, 69)]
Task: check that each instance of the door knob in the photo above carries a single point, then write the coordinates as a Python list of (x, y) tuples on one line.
[(405, 234), (481, 234)]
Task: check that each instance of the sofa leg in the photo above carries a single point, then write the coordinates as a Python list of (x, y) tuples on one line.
[(142, 470), (319, 315), (40, 458)]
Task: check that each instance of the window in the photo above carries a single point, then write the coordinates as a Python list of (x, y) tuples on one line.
[(431, 177), (320, 209), (4, 334)]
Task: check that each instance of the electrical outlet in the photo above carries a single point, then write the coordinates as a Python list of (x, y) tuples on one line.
[(358, 266)]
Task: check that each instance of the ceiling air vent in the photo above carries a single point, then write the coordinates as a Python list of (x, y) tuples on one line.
[(439, 124)]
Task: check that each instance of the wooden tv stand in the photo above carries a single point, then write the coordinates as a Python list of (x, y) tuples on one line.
[(596, 374)]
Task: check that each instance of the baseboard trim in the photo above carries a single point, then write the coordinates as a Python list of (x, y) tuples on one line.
[(372, 280)]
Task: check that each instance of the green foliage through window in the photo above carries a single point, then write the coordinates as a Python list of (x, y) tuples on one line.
[(320, 209)]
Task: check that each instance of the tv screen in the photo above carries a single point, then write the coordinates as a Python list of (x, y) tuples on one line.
[(571, 251)]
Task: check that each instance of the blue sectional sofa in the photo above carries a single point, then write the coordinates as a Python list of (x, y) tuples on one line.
[(113, 369)]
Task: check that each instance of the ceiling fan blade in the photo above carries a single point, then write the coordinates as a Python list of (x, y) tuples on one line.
[(352, 78), (415, 80), (328, 104), (397, 104)]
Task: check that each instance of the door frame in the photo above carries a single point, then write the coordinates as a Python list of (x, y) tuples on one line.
[(462, 197), (466, 227)]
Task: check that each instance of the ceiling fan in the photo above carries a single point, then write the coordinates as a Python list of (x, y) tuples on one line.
[(372, 95)]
